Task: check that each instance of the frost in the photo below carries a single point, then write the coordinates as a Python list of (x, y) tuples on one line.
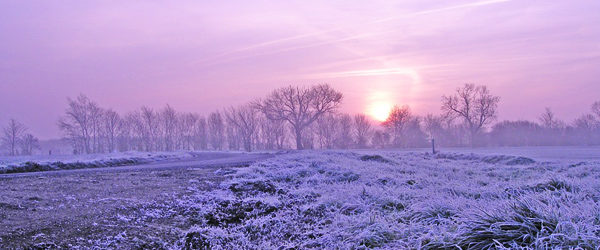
[(345, 200), (38, 163)]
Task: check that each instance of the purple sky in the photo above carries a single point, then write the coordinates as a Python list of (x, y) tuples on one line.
[(203, 55)]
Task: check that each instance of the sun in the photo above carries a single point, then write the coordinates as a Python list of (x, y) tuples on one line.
[(380, 110)]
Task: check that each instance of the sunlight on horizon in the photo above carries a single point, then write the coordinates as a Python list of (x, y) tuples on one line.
[(384, 92), (379, 104), (380, 110)]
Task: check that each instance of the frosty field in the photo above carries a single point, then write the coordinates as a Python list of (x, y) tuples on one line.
[(495, 198)]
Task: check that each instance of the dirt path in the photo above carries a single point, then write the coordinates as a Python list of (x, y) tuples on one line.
[(104, 206)]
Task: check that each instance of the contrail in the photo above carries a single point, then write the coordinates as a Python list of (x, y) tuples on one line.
[(321, 43), (371, 72), (462, 6), (411, 73), (315, 34)]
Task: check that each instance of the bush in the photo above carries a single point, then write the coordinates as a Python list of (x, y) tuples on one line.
[(28, 167), (253, 187), (343, 176), (376, 158), (520, 161), (206, 238), (196, 240), (234, 212)]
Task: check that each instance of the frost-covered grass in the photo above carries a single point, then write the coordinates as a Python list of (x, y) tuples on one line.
[(19, 164), (315, 199), (354, 200)]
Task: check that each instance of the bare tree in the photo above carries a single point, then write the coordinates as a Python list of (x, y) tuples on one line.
[(396, 123), (186, 130), (244, 119), (13, 134), (133, 132), (308, 137), (413, 136), (443, 129), (516, 133), (112, 123), (584, 128), (126, 135), (200, 135), (596, 112), (150, 128), (216, 130), (78, 124), (553, 127), (432, 125), (279, 132), (272, 133), (95, 118), (362, 130), (548, 119), (380, 139), (596, 109), (29, 143), (475, 105), (232, 136), (585, 122), (168, 119), (325, 132), (300, 106), (343, 137)]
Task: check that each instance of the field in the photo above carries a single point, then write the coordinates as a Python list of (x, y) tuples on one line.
[(494, 198)]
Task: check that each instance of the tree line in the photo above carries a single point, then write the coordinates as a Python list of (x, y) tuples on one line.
[(305, 118), (17, 140), (264, 124)]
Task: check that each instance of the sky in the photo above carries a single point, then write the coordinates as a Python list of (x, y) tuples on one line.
[(199, 56)]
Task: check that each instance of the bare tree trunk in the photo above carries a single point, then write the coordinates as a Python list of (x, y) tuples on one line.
[(298, 134), (12, 135), (300, 107)]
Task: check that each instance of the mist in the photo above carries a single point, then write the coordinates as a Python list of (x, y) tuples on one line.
[(301, 117), (200, 57), (299, 124)]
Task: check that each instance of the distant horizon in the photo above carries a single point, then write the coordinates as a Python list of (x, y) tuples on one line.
[(374, 120), (200, 57)]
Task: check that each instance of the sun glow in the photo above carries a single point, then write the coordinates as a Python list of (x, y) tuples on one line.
[(380, 110), (389, 87)]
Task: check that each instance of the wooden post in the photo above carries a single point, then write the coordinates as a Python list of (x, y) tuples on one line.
[(433, 145)]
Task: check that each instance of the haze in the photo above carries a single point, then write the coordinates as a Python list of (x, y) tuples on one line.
[(205, 55)]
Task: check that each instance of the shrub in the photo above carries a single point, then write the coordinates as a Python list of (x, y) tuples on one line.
[(376, 158), (234, 212), (253, 187), (206, 238), (520, 161)]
